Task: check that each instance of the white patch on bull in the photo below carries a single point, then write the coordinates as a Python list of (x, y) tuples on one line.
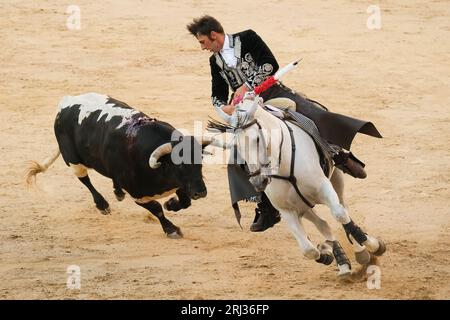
[(92, 102), (147, 199), (79, 170)]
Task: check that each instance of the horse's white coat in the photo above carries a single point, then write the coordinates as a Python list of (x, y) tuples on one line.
[(92, 102), (312, 182)]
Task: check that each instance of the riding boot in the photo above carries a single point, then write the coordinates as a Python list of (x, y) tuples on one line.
[(266, 215), (348, 163)]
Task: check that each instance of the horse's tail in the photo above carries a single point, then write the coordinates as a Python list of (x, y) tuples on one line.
[(35, 167)]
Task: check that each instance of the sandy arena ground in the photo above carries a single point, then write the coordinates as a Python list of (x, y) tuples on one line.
[(140, 52)]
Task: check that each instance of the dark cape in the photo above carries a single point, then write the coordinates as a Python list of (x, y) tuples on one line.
[(334, 127)]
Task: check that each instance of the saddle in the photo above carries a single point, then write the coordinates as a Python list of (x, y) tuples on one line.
[(279, 107)]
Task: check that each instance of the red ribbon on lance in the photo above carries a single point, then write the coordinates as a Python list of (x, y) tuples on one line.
[(266, 84)]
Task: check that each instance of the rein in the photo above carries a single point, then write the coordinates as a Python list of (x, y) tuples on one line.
[(246, 126)]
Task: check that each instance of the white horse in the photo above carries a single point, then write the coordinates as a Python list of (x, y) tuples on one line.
[(266, 143)]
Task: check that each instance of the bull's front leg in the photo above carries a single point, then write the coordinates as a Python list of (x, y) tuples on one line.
[(181, 201), (171, 230)]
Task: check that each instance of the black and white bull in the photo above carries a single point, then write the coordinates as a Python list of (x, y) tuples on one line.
[(147, 158)]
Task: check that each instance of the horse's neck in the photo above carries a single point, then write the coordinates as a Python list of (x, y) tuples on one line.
[(301, 139), (267, 121), (278, 133)]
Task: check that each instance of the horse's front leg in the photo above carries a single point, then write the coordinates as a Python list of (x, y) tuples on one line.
[(294, 223), (342, 261)]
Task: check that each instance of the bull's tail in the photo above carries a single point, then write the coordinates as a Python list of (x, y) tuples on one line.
[(35, 167)]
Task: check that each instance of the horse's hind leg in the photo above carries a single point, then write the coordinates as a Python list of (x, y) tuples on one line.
[(337, 180), (329, 197), (342, 260), (321, 224), (362, 256)]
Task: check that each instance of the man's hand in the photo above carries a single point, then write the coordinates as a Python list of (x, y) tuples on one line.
[(241, 91), (228, 109), (239, 94)]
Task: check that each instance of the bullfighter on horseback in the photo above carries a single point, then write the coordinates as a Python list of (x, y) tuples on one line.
[(243, 61)]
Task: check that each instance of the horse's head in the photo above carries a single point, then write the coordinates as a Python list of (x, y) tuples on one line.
[(252, 140)]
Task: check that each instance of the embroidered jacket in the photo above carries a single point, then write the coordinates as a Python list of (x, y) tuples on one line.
[(255, 62)]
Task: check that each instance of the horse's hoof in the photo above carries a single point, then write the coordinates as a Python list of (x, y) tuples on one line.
[(177, 234), (381, 248), (362, 257), (345, 271)]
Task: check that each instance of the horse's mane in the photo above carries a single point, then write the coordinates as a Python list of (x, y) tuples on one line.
[(216, 125)]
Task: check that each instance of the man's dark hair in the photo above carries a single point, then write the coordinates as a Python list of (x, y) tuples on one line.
[(204, 25)]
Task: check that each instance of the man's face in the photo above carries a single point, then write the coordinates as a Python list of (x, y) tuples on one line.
[(211, 43)]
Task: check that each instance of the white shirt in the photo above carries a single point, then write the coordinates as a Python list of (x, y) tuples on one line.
[(227, 53)]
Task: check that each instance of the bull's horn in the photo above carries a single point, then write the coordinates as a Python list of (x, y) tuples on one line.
[(162, 150)]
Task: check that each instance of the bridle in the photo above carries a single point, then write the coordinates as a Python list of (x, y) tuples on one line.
[(261, 165), (292, 179)]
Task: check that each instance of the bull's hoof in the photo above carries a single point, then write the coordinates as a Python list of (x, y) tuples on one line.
[(362, 257), (381, 248), (119, 196), (175, 235), (345, 271), (173, 204), (105, 211)]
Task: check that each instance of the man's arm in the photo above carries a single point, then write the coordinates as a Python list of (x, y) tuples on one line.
[(219, 87), (219, 90), (264, 59)]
